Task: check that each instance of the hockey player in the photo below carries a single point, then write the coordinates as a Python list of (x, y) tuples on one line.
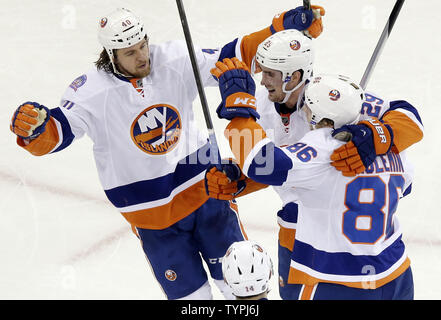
[(286, 60), (348, 242), (247, 268), (136, 106)]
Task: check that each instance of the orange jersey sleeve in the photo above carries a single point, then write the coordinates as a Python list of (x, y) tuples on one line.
[(406, 130), (243, 134), (249, 44)]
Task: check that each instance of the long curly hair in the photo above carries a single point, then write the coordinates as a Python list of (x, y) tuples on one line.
[(103, 62)]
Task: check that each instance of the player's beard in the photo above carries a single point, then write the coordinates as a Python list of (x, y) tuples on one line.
[(138, 72), (144, 71)]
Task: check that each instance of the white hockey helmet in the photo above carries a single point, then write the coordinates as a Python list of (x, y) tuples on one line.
[(120, 29), (334, 97), (287, 51), (247, 268)]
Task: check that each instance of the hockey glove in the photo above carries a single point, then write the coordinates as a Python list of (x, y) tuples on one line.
[(237, 90), (308, 21), (369, 138), (29, 120), (226, 184)]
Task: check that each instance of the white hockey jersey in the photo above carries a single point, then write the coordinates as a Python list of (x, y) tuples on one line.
[(284, 129), (347, 230), (150, 156)]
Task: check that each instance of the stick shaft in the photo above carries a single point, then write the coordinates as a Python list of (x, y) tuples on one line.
[(307, 4), (381, 42), (214, 154)]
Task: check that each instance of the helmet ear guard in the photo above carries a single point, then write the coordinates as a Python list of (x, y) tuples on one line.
[(120, 29)]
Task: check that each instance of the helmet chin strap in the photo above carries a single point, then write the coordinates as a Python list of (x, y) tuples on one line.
[(112, 57), (115, 70), (289, 92)]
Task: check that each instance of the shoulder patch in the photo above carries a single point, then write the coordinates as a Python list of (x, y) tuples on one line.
[(78, 82)]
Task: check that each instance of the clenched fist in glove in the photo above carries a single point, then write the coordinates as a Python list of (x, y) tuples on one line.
[(224, 184), (237, 90), (307, 20), (227, 182), (369, 138), (29, 120)]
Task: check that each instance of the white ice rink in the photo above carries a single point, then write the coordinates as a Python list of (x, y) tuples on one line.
[(59, 236)]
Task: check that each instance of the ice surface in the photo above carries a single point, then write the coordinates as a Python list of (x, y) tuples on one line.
[(61, 239)]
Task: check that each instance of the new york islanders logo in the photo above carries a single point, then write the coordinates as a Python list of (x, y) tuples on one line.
[(103, 22), (295, 45), (170, 275), (334, 95), (157, 129)]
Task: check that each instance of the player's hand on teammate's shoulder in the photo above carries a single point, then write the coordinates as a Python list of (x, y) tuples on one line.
[(368, 138), (307, 20), (29, 120)]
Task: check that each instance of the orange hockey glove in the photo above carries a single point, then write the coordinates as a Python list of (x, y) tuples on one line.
[(225, 184), (218, 185), (29, 120), (316, 27), (369, 138)]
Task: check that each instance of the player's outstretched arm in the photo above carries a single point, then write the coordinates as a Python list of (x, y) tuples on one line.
[(226, 181), (36, 131), (398, 129), (308, 21)]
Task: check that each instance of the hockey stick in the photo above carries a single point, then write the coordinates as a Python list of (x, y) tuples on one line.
[(381, 42), (214, 149), (345, 135), (307, 4)]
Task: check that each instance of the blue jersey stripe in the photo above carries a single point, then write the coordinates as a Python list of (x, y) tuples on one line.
[(161, 187), (273, 31), (270, 166), (344, 263), (68, 136), (401, 104), (407, 191), (228, 50)]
